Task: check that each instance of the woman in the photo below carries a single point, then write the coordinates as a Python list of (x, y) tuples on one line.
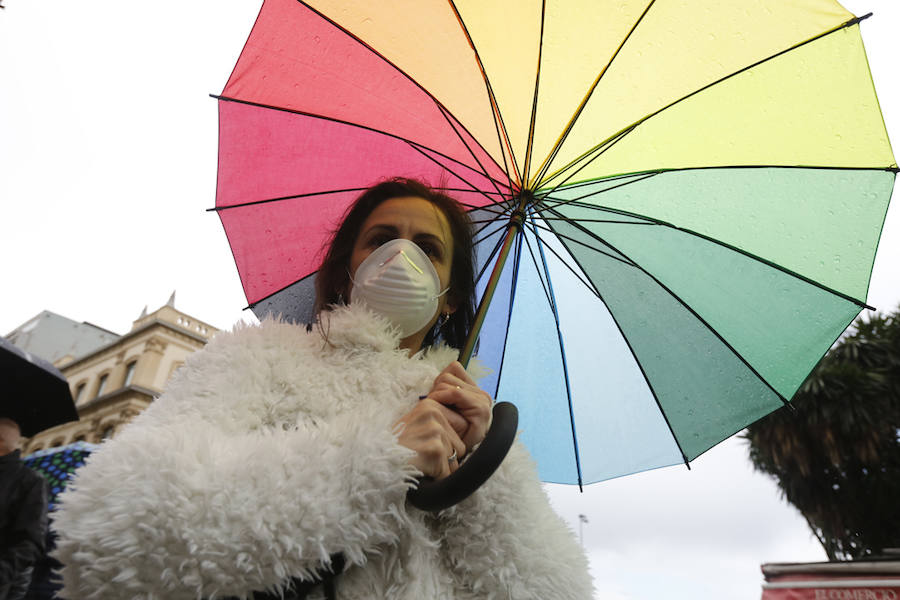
[(280, 446)]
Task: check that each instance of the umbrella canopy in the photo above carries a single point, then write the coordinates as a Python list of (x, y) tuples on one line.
[(35, 395), (58, 465), (697, 190)]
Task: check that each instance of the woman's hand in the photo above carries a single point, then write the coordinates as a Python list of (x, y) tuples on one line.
[(447, 423), (426, 430), (460, 396)]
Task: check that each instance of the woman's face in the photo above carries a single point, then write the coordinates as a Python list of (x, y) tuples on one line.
[(421, 222)]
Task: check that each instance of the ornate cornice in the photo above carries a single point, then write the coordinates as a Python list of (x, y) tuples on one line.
[(103, 351)]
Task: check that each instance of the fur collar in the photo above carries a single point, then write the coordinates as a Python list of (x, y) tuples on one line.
[(354, 327)]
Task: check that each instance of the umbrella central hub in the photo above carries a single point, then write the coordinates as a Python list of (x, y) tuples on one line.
[(523, 201)]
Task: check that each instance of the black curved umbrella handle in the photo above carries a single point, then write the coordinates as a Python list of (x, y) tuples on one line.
[(475, 470)]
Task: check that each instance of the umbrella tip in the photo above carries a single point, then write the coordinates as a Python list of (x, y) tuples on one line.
[(171, 301)]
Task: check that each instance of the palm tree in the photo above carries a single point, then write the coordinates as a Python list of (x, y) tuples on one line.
[(836, 455)]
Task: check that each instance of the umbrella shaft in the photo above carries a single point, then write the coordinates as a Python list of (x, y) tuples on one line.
[(515, 223)]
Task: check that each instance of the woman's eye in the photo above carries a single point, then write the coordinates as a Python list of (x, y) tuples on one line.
[(430, 250), (379, 240)]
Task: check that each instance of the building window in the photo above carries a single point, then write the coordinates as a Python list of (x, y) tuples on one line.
[(102, 385), (107, 433), (129, 372), (79, 393)]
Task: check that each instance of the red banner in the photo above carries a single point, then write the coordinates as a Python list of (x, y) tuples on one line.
[(833, 590)]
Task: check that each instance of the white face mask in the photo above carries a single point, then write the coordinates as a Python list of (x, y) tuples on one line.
[(399, 282)]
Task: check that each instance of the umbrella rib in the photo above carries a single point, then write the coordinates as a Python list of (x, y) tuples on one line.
[(487, 193), (580, 277), (534, 101), (609, 221), (517, 252), (545, 166), (589, 182), (282, 198), (385, 59), (687, 307), (633, 126), (499, 124), (638, 176), (562, 352), (650, 387), (502, 138), (499, 212), (472, 207), (452, 172), (773, 265), (600, 208), (650, 220), (348, 123), (498, 209), (561, 202), (550, 299), (493, 253), (462, 140), (580, 243), (476, 234), (252, 305), (482, 221), (599, 151), (362, 189)]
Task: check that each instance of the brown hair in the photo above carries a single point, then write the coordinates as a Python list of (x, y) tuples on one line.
[(333, 278)]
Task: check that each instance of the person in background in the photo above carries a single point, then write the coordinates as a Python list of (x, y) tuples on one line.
[(23, 515)]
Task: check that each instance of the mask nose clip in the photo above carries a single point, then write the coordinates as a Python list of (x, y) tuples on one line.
[(408, 259)]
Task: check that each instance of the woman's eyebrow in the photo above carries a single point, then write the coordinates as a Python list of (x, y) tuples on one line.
[(383, 228), (429, 237), (392, 230)]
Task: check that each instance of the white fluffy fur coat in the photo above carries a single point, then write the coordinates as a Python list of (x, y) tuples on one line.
[(272, 449)]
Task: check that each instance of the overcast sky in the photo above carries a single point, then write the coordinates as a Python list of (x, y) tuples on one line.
[(107, 161)]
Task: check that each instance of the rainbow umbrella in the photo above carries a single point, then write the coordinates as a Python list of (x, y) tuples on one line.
[(688, 195)]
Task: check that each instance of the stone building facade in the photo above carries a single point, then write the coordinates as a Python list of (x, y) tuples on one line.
[(114, 382)]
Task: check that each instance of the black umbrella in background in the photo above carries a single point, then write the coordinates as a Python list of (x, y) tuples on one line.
[(35, 394)]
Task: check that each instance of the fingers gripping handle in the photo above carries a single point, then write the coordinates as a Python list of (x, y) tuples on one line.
[(475, 470)]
